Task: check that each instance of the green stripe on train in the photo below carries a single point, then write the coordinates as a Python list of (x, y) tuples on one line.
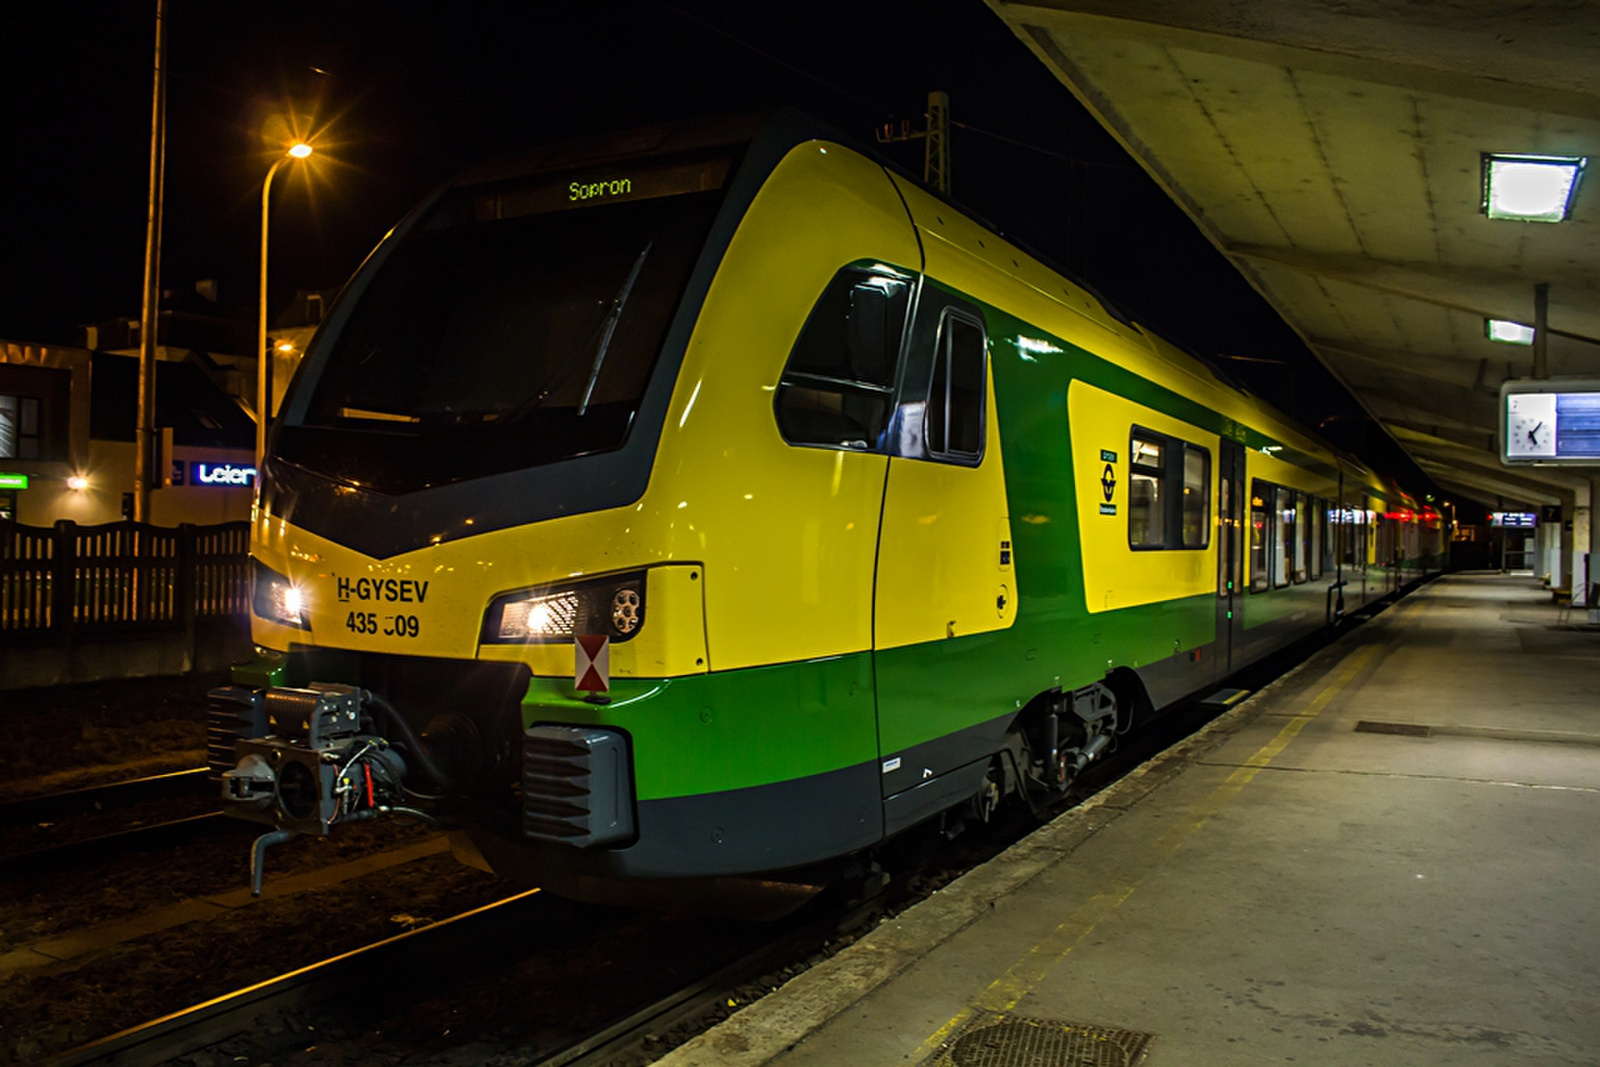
[(743, 728)]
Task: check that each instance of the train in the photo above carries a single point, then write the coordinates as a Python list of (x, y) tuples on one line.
[(713, 501)]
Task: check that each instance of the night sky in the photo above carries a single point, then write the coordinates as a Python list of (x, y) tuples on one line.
[(402, 94)]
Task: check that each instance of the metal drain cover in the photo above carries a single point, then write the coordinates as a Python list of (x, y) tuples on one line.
[(989, 1040)]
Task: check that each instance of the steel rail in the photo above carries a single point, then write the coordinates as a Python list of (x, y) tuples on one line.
[(50, 806), (497, 930), (92, 850), (451, 946), (603, 1046)]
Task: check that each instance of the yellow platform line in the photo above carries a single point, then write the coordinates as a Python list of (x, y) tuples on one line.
[(1006, 992)]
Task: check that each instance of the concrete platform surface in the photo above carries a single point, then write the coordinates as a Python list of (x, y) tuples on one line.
[(1281, 888)]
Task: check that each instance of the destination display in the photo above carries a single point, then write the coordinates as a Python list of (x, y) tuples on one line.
[(1550, 422), (1518, 520), (608, 184)]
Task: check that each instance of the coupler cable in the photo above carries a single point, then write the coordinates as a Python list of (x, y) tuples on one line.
[(398, 723)]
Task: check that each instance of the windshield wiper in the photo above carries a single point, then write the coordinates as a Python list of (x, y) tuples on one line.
[(610, 325)]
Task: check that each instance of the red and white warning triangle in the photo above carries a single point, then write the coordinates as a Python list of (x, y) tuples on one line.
[(593, 673)]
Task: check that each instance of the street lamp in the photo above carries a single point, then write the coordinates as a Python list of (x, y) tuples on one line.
[(298, 150)]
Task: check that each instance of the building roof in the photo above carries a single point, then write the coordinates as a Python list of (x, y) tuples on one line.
[(1333, 152), (198, 410)]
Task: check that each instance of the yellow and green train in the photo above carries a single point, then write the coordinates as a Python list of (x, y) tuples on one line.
[(881, 517)]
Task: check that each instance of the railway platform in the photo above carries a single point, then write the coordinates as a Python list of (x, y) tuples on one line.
[(1389, 856)]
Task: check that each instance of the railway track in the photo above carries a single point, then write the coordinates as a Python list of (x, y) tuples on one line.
[(56, 806), (502, 932), (88, 851), (105, 802), (499, 935), (381, 980)]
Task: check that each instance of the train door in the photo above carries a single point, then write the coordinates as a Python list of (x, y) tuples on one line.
[(1230, 528), (945, 581)]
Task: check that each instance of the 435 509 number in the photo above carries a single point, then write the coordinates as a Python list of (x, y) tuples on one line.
[(370, 622)]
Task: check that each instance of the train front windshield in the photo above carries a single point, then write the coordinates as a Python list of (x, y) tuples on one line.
[(515, 326)]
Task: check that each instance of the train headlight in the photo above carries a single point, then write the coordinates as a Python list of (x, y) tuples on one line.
[(274, 598), (611, 606), (540, 617)]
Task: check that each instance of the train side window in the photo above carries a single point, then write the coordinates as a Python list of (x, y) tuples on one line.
[(1302, 545), (1169, 492), (1283, 545), (1147, 468), (954, 421), (837, 390), (1196, 497), (1364, 532), (1318, 530), (1260, 535)]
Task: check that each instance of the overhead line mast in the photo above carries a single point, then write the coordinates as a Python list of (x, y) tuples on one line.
[(936, 141), (149, 306)]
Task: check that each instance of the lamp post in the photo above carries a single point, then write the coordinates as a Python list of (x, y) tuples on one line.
[(298, 150)]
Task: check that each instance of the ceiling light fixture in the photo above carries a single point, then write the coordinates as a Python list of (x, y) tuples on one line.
[(1530, 188), (1507, 332)]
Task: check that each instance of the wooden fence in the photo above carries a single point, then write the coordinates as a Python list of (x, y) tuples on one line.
[(123, 577)]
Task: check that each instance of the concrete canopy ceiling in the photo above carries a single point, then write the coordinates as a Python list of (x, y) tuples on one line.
[(1332, 149)]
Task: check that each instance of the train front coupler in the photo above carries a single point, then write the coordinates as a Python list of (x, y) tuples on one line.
[(306, 760)]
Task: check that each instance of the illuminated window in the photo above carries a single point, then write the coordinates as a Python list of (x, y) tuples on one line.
[(1287, 532), (1146, 506), (1169, 492), (19, 427), (1260, 534), (1317, 530), (1284, 544), (1196, 497), (1302, 547)]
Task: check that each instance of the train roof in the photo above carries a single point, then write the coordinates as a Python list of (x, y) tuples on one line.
[(760, 139)]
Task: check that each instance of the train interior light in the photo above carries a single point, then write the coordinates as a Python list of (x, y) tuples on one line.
[(1530, 188)]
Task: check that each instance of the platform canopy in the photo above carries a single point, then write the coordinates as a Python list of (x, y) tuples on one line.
[(1334, 151)]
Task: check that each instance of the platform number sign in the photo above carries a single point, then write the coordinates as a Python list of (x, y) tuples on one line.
[(593, 668)]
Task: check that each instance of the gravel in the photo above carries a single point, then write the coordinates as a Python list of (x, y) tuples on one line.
[(75, 736)]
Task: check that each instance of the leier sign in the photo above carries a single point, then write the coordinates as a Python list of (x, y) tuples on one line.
[(13, 481), (225, 475)]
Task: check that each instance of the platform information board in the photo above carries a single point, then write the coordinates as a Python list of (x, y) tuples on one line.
[(1550, 422)]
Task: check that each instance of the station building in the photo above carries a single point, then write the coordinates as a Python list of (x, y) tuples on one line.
[(68, 415)]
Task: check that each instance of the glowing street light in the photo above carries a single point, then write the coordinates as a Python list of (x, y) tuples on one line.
[(298, 150)]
